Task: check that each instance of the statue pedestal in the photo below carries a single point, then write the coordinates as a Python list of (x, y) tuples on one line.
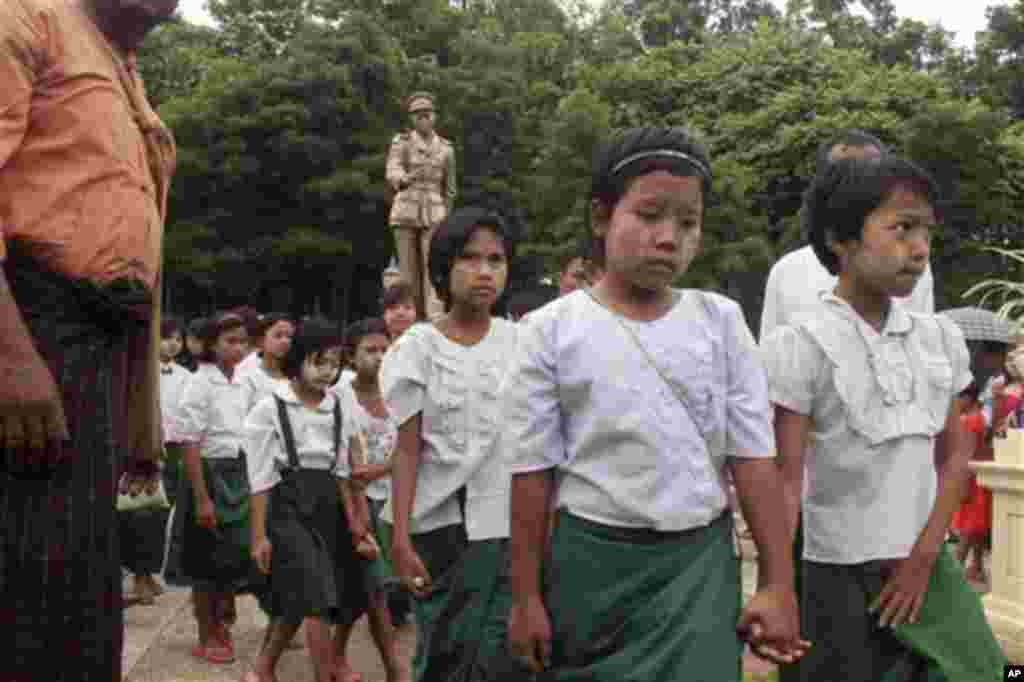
[(1004, 605)]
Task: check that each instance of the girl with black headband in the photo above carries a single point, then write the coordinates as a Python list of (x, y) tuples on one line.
[(625, 407), (448, 511)]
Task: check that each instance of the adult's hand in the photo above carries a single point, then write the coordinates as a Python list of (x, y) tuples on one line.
[(31, 414)]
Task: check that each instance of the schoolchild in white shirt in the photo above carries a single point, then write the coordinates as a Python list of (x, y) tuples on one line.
[(296, 440), (398, 306), (142, 532), (215, 506), (368, 473), (874, 388), (449, 503), (624, 408), (264, 376)]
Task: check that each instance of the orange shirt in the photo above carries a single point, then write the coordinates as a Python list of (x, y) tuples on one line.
[(83, 178)]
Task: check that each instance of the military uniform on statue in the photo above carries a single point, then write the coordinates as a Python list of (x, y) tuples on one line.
[(421, 171)]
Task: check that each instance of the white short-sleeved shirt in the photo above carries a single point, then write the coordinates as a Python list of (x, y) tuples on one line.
[(455, 388), (797, 280), (877, 401), (260, 385), (212, 412), (582, 398), (381, 438), (313, 429), (172, 388), (249, 362)]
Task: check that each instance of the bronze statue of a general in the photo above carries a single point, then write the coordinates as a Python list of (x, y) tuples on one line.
[(421, 172)]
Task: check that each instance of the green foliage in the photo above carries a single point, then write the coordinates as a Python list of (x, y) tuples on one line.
[(284, 114)]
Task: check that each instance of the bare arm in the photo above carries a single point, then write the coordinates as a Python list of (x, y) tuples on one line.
[(791, 433), (953, 471), (531, 514), (194, 470), (258, 516), (759, 486), (403, 476)]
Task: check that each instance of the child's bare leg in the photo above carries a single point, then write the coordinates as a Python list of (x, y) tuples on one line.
[(321, 648), (384, 637), (279, 633), (202, 607), (342, 633)]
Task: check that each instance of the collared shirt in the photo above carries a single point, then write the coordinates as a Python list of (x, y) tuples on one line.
[(877, 401), (430, 164), (212, 412), (249, 363), (381, 438), (455, 389), (83, 180), (313, 429), (173, 378), (258, 384), (797, 280), (581, 397)]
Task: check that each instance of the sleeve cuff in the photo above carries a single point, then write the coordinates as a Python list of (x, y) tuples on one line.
[(790, 402)]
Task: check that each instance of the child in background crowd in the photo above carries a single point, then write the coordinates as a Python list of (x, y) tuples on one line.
[(399, 308), (623, 408), (972, 522), (189, 357), (366, 342), (295, 441), (273, 336), (875, 389), (142, 532), (216, 507), (448, 511)]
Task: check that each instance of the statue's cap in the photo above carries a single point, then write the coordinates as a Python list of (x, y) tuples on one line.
[(419, 101)]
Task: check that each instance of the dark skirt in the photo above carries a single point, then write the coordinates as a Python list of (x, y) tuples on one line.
[(218, 560), (60, 569), (636, 604), (314, 570), (461, 625), (951, 641), (174, 569), (143, 532)]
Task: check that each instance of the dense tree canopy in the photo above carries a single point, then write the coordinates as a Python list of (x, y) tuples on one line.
[(284, 112)]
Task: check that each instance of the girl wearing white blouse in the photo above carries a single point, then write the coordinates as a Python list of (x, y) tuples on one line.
[(449, 505), (624, 408), (274, 333), (301, 536), (215, 507), (368, 473)]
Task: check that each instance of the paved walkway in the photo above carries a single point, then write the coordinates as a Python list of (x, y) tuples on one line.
[(158, 640)]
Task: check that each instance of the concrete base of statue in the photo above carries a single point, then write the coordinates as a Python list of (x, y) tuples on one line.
[(1004, 605)]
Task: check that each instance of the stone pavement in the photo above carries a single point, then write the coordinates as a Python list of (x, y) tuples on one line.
[(158, 640)]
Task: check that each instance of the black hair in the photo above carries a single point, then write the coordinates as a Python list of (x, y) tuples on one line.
[(399, 292), (528, 300), (450, 239), (624, 158), (848, 138), (196, 326), (265, 322), (214, 328), (582, 251), (169, 326), (313, 337), (357, 331), (839, 200), (250, 316)]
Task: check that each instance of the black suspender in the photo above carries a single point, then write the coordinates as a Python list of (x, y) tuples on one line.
[(289, 435)]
